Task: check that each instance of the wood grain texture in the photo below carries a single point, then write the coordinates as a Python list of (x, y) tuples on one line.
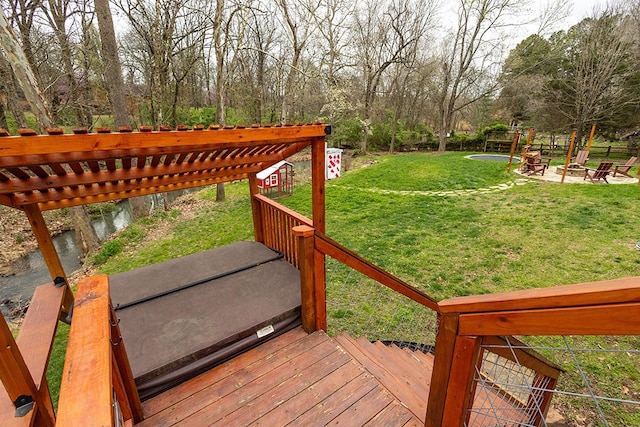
[(86, 395), (14, 147), (294, 379), (612, 319), (582, 294)]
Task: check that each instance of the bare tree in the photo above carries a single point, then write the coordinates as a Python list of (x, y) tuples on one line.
[(58, 14), (299, 28), (385, 34), (471, 57), (165, 33)]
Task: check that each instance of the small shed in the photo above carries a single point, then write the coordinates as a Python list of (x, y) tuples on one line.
[(276, 180)]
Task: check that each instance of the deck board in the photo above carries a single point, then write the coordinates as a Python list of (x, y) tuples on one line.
[(295, 379), (199, 393), (300, 380)]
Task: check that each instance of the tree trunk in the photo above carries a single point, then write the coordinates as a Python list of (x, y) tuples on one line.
[(9, 87), (115, 86), (220, 192), (3, 118), (220, 51), (23, 73), (112, 67), (394, 130), (85, 234)]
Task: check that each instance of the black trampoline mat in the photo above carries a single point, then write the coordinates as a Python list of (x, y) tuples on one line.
[(175, 336)]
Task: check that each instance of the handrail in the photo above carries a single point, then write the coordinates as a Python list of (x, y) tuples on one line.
[(96, 370), (330, 247), (610, 307), (584, 294)]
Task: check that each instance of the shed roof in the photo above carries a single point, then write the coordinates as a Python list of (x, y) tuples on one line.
[(271, 169)]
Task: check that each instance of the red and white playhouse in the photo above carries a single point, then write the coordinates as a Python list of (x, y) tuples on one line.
[(277, 180)]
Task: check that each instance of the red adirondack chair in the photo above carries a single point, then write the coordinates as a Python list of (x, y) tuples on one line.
[(624, 168), (603, 170)]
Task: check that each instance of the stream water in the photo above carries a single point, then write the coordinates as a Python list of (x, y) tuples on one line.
[(32, 270)]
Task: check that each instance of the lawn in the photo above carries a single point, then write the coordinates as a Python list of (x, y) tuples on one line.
[(449, 226)]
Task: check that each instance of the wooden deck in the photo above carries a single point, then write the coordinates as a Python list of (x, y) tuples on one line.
[(300, 379)]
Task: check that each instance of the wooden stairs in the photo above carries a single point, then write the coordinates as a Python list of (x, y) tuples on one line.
[(301, 379)]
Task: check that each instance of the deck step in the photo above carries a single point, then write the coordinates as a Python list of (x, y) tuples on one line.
[(295, 379), (394, 369)]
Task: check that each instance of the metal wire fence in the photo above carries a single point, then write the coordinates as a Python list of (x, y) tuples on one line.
[(598, 388), (363, 307)]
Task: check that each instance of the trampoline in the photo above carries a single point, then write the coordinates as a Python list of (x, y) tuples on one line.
[(181, 317), (492, 157)]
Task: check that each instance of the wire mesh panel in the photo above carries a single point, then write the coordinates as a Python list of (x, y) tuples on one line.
[(600, 385), (361, 306)]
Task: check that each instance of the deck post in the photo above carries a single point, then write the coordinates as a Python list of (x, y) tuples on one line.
[(440, 377), (318, 171), (256, 209), (305, 236), (49, 253), (461, 384)]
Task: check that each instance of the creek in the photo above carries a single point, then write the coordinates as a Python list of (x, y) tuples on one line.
[(32, 270)]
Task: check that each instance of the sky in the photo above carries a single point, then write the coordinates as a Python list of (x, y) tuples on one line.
[(582, 9)]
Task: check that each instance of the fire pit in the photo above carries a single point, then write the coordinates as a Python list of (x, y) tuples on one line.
[(572, 170)]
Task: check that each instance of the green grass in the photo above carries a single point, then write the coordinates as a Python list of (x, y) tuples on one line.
[(533, 235)]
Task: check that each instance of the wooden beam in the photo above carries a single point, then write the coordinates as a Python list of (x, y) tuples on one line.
[(318, 208), (318, 171), (256, 210), (124, 194), (460, 386), (50, 255), (335, 250), (36, 336), (591, 293), (320, 280), (17, 381), (83, 145), (610, 319), (440, 377), (113, 176)]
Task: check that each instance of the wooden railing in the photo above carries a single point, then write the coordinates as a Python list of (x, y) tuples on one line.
[(313, 247), (274, 224), (468, 323), (25, 398), (478, 330), (97, 385)]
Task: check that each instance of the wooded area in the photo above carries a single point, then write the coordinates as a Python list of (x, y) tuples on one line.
[(387, 74)]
